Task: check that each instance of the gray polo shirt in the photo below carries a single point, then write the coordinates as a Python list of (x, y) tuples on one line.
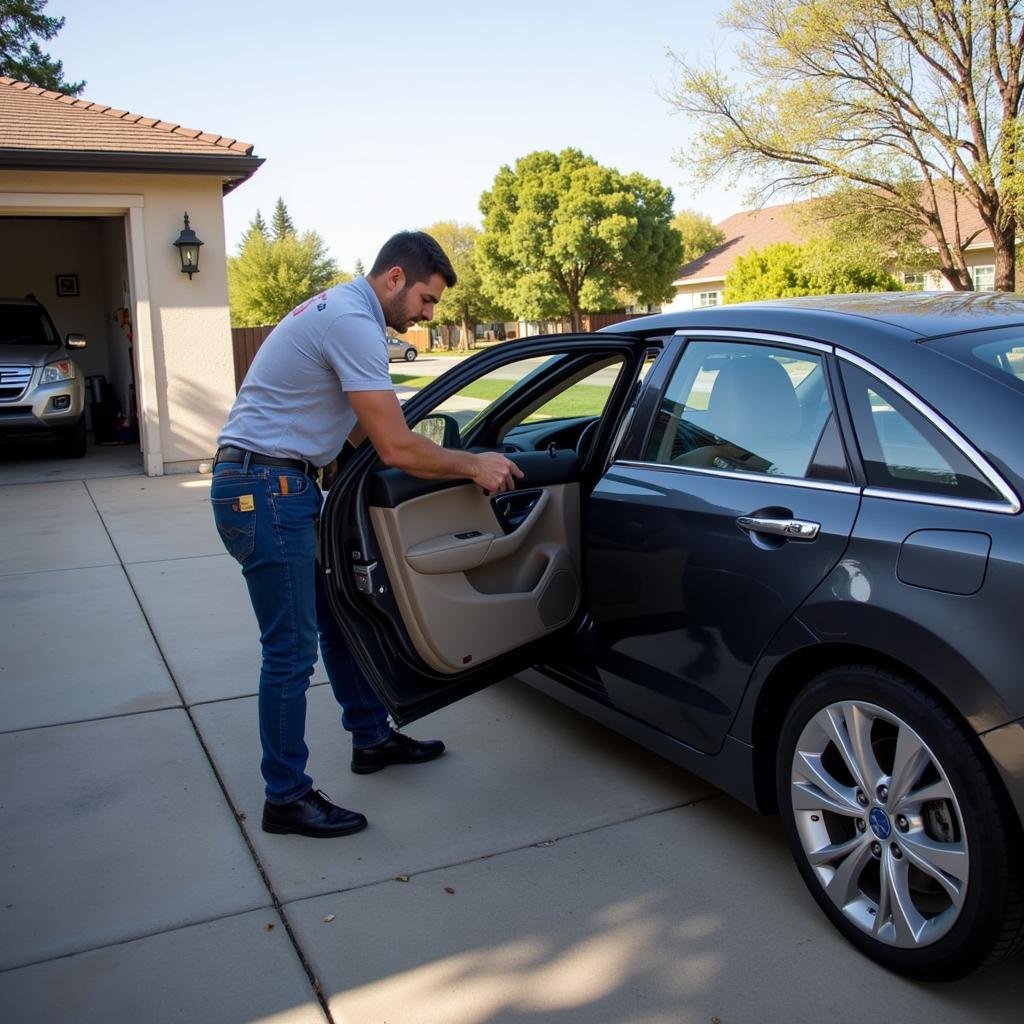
[(294, 402)]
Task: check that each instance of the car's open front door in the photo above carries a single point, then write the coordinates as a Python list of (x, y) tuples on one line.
[(441, 589)]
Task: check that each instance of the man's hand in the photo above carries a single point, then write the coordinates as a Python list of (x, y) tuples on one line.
[(494, 473)]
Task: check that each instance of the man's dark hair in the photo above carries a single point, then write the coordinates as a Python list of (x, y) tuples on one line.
[(417, 254)]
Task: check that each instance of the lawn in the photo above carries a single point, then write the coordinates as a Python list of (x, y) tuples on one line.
[(579, 400)]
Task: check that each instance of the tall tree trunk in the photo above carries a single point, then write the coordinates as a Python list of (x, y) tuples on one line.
[(1006, 258), (575, 315), (467, 335)]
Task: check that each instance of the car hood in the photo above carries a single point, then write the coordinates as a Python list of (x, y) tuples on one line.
[(30, 355)]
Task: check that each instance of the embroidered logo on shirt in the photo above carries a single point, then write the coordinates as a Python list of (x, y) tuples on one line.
[(320, 300)]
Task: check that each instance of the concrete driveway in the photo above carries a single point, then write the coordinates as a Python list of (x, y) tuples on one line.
[(544, 870)]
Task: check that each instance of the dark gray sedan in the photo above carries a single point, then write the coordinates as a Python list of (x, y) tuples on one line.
[(780, 544)]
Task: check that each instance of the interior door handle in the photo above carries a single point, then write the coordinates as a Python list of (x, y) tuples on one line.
[(795, 529)]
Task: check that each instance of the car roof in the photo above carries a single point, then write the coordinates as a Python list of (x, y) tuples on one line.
[(914, 316)]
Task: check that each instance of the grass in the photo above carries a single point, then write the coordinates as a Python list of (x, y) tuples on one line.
[(579, 400)]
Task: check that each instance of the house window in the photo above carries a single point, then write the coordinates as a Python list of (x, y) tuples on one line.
[(708, 298), (913, 281), (984, 278)]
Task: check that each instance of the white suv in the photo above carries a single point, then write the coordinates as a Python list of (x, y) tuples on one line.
[(41, 388)]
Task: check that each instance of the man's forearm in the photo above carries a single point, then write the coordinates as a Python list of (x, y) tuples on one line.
[(420, 457)]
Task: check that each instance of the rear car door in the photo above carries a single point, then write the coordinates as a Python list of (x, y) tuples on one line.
[(441, 589), (730, 502)]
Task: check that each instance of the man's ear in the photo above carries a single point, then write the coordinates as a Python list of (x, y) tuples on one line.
[(395, 279)]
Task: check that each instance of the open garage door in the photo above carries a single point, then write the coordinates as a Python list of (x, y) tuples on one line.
[(77, 267)]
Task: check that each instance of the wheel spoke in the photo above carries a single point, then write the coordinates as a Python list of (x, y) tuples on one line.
[(947, 863), (938, 790), (834, 852), (844, 885), (820, 791), (910, 761), (896, 910), (850, 732)]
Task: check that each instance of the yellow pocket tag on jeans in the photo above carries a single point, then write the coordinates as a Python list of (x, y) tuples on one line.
[(245, 503)]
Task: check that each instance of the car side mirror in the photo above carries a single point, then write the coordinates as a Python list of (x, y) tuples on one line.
[(76, 341), (441, 428)]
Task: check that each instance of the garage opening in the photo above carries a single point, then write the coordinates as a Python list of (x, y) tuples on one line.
[(77, 268)]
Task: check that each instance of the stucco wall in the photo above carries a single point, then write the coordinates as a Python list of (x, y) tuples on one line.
[(188, 320)]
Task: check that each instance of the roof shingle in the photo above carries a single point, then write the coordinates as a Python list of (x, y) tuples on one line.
[(32, 118)]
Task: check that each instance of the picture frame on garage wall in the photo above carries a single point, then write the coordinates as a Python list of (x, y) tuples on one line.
[(67, 286)]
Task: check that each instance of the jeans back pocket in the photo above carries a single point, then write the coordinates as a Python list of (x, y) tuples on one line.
[(235, 517)]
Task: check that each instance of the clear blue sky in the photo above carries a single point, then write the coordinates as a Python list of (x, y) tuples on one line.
[(378, 117)]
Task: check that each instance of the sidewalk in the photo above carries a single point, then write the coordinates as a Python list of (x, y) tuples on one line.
[(544, 870)]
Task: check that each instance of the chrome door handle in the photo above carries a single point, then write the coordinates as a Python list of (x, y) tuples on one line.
[(795, 529)]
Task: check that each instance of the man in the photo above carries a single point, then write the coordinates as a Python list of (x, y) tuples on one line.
[(320, 377)]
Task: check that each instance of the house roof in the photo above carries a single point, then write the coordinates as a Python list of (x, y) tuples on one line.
[(754, 229), (42, 129)]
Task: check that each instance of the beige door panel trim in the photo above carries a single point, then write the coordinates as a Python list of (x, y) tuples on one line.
[(488, 605), (450, 553)]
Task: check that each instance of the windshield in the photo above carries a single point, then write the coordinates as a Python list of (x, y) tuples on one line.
[(25, 325)]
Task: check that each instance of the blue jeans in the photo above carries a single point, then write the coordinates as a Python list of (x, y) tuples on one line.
[(267, 517)]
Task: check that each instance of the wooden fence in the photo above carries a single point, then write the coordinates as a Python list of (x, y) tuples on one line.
[(245, 341)]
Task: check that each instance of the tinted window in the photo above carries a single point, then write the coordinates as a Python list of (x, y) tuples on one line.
[(901, 449), (1003, 359), (751, 408), (24, 325)]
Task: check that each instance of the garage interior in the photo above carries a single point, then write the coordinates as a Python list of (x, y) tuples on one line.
[(77, 266)]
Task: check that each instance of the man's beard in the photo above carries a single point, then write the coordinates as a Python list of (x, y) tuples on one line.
[(396, 313)]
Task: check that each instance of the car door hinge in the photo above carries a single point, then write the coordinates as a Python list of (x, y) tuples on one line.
[(365, 578)]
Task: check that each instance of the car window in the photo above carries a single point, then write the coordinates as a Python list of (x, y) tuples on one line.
[(748, 408), (901, 449), (25, 325)]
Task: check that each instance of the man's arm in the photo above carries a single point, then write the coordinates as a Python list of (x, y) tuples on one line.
[(380, 416)]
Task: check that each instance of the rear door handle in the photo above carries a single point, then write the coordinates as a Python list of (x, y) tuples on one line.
[(794, 529)]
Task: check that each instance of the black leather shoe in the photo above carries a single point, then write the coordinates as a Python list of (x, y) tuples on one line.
[(396, 749), (311, 815)]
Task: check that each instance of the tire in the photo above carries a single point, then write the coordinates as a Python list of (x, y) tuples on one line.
[(897, 827), (410, 355), (73, 440)]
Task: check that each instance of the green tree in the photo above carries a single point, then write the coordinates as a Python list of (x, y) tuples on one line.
[(699, 235), (22, 22), (916, 103), (785, 270), (466, 303), (270, 276), (563, 234), (281, 223), (360, 269), (256, 226)]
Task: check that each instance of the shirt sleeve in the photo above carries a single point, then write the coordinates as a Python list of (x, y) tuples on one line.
[(356, 350)]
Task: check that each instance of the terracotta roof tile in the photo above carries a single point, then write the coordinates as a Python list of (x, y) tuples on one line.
[(32, 118)]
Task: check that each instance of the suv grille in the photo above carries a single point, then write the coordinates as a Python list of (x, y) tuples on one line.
[(13, 381)]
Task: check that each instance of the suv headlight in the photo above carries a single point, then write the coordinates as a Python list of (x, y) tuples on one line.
[(63, 369)]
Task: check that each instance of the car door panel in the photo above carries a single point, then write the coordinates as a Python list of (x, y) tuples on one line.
[(473, 592), (683, 599)]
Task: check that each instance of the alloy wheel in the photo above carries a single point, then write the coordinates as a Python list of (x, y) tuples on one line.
[(880, 824)]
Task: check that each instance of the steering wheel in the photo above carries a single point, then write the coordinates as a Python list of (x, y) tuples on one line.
[(585, 439)]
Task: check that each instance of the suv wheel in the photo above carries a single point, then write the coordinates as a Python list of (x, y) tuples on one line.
[(73, 439), (410, 354), (896, 826)]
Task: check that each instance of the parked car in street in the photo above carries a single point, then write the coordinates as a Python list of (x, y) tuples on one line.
[(42, 390), (781, 545), (398, 349)]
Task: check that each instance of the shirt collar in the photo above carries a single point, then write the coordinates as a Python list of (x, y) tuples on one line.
[(371, 298)]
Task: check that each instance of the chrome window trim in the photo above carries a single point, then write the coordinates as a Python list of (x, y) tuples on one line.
[(783, 340), (965, 448), (942, 500), (765, 478)]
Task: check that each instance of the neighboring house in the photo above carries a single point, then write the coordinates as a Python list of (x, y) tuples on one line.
[(91, 201), (702, 281)]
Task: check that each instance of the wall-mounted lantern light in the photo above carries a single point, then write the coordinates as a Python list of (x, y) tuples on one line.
[(187, 245)]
